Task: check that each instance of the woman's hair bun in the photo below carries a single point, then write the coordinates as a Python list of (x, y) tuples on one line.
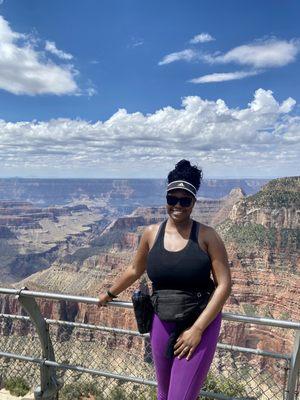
[(184, 170), (182, 165)]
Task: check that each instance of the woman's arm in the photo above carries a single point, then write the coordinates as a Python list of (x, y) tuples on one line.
[(134, 271), (222, 278)]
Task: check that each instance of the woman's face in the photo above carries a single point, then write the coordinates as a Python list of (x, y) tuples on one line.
[(177, 212)]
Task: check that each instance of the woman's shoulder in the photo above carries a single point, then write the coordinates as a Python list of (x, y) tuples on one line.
[(152, 231), (208, 234), (203, 227), (153, 228), (205, 235)]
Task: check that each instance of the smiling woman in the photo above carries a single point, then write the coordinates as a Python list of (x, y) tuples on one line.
[(179, 260), (179, 255)]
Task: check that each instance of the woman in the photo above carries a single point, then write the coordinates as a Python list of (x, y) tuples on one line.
[(180, 254)]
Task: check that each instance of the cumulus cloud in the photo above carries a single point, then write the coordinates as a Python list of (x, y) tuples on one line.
[(51, 47), (266, 103), (255, 137), (202, 38), (186, 55), (23, 70), (225, 76), (261, 54)]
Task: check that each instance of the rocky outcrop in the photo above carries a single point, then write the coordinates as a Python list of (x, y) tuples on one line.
[(262, 241), (277, 205), (32, 239), (25, 214), (226, 205)]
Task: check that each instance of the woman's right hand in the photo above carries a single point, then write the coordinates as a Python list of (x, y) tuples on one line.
[(103, 299)]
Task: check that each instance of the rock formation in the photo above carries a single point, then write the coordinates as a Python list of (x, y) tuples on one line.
[(261, 236)]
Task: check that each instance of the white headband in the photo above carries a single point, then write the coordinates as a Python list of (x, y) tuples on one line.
[(181, 184)]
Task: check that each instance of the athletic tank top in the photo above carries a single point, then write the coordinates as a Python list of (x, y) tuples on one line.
[(188, 268)]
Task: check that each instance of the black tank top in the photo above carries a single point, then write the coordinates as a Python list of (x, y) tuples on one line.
[(188, 268)]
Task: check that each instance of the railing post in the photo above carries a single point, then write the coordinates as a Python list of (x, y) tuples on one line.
[(294, 368), (50, 385)]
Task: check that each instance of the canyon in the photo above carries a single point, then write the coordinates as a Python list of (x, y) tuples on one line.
[(260, 232)]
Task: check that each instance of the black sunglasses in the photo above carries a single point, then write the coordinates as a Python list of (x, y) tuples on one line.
[(183, 201)]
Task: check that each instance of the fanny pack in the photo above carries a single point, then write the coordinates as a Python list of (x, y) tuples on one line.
[(169, 304), (178, 305)]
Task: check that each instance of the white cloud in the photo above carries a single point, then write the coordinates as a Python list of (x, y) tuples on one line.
[(51, 47), (265, 102), (221, 77), (261, 54), (138, 43), (287, 105), (202, 38), (135, 42), (91, 91), (186, 55), (256, 138), (23, 70)]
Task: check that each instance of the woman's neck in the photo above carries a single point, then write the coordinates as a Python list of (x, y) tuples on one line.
[(180, 225)]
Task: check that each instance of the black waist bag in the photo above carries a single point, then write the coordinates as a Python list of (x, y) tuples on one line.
[(177, 305), (180, 306)]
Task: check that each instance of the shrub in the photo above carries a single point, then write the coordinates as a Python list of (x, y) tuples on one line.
[(17, 386), (77, 391), (119, 394), (229, 387)]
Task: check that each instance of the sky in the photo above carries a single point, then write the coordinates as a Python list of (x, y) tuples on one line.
[(127, 88)]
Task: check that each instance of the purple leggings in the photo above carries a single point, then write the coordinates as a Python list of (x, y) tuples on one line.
[(182, 379)]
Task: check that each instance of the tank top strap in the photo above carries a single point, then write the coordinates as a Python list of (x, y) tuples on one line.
[(195, 233), (160, 233), (162, 229)]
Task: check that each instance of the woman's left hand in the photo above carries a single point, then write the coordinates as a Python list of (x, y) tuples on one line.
[(187, 341)]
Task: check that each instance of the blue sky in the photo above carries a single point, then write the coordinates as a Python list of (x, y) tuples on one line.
[(128, 88)]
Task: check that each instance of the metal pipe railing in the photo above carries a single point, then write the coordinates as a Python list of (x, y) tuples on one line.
[(136, 333), (127, 304), (48, 365)]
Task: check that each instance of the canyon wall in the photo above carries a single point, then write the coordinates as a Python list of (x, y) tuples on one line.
[(261, 236)]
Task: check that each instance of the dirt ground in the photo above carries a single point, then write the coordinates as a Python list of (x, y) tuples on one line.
[(5, 395)]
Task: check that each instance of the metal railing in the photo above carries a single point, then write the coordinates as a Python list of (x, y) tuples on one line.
[(76, 359)]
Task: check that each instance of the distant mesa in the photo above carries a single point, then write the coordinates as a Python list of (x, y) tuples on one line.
[(113, 192)]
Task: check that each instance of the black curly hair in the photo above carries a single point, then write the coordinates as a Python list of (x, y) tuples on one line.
[(185, 171)]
